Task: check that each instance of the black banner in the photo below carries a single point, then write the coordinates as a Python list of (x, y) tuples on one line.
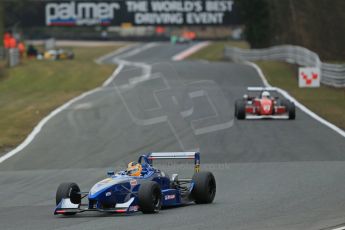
[(140, 12)]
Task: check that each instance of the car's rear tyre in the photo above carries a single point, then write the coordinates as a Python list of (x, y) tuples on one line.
[(150, 197), (240, 109), (204, 189), (68, 190)]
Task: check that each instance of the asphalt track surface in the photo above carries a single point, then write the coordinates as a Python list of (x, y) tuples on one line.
[(270, 174)]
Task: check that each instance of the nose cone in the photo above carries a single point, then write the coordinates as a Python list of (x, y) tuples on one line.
[(266, 107), (105, 186)]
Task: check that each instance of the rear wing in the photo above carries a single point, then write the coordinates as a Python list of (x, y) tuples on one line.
[(254, 89), (175, 155)]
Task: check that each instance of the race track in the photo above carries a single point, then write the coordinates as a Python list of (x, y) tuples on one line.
[(270, 174)]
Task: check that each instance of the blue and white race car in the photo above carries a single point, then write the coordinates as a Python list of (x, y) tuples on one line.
[(139, 188)]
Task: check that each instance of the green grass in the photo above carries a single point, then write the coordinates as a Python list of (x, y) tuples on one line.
[(214, 52), (31, 90), (327, 102)]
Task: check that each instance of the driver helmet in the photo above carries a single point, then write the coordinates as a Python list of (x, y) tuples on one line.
[(134, 169), (265, 94)]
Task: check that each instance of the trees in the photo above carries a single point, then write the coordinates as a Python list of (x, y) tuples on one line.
[(255, 15), (2, 23), (314, 24)]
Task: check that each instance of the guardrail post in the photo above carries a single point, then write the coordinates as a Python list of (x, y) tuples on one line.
[(13, 57)]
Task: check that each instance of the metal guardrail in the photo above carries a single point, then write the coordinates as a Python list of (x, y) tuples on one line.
[(331, 74)]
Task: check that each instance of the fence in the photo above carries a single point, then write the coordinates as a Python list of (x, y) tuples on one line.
[(331, 74)]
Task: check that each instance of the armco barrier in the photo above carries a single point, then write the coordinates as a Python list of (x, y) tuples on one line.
[(331, 74)]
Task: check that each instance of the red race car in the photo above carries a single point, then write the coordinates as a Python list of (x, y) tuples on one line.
[(264, 105)]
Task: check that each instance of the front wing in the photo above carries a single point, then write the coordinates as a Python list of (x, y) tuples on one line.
[(257, 117), (66, 207)]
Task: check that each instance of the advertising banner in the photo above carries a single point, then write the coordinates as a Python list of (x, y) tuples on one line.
[(140, 12)]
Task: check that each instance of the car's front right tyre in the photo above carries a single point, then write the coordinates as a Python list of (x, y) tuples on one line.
[(240, 109), (292, 111), (150, 197), (204, 189), (70, 191)]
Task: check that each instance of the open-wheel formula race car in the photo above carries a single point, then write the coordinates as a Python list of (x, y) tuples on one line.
[(58, 54), (264, 105), (147, 190)]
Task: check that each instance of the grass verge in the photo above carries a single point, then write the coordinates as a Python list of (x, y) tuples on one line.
[(327, 102), (31, 90), (214, 52)]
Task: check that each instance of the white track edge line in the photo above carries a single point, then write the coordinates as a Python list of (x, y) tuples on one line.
[(339, 228), (186, 53), (297, 103), (113, 76), (40, 125), (116, 52)]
